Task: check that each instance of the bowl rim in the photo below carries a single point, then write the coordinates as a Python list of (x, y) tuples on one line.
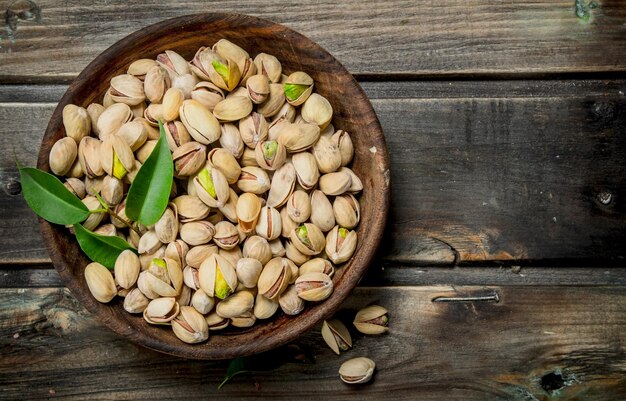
[(297, 326)]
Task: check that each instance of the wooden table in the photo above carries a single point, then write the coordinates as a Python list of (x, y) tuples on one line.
[(506, 128)]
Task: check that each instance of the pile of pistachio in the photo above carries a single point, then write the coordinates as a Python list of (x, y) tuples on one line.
[(262, 208)]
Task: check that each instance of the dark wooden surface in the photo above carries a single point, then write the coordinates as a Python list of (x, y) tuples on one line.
[(500, 118)]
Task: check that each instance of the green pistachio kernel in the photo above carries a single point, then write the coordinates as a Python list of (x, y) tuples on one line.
[(269, 149), (222, 289), (119, 171), (206, 181), (221, 69), (160, 262), (294, 91), (303, 234), (343, 232)]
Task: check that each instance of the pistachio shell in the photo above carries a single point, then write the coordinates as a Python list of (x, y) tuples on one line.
[(197, 232), (139, 68), (232, 109), (134, 133), (135, 301), (207, 94), (153, 114), (232, 255), (76, 122), (198, 254), (75, 186), (298, 137), (270, 155), (317, 110), (293, 254), (299, 206), (94, 110), (327, 155), (89, 156), (243, 321), (347, 211), (236, 305), (318, 265), (322, 214), (100, 282), (217, 277), (288, 225), (189, 159), (357, 370), (314, 286), (229, 210), (199, 122), (172, 101), (62, 155), (248, 209), (166, 228), (265, 308), (216, 322), (94, 219), (307, 171), (274, 278), (116, 157), (274, 101), (298, 88), (282, 186), (211, 186), (346, 148), (231, 140), (161, 310), (224, 161), (156, 83), (372, 319), (269, 224), (127, 89), (190, 326), (226, 235), (112, 190), (276, 248), (190, 208), (355, 182), (337, 183), (186, 83), (191, 277), (202, 302), (336, 335), (340, 244), (144, 152), (258, 87), (308, 239), (258, 248), (248, 271), (173, 63), (268, 65), (177, 250), (254, 180), (253, 129)]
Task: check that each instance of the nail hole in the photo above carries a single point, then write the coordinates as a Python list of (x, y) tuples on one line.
[(13, 187), (605, 197), (552, 381)]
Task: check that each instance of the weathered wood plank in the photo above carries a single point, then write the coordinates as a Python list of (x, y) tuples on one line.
[(475, 177), (369, 37), (51, 347)]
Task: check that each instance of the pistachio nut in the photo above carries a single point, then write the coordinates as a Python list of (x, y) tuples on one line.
[(276, 127), (287, 113), (293, 254), (62, 155), (298, 88), (202, 302), (201, 62), (336, 183), (231, 140), (299, 206), (197, 254), (242, 235), (138, 110), (116, 157), (288, 225), (223, 73), (317, 110), (145, 259), (139, 68), (274, 278), (189, 158), (129, 178), (165, 277), (253, 129), (357, 370), (327, 155), (229, 210), (185, 83), (184, 298), (173, 63), (112, 190), (120, 210), (276, 248), (372, 320), (254, 180), (269, 225), (264, 308), (224, 161), (190, 326), (76, 171), (126, 269), (143, 283), (135, 301), (236, 305), (230, 51), (177, 249), (318, 265), (107, 100), (166, 228), (232, 255), (107, 230), (144, 152), (76, 122), (197, 232), (270, 155), (211, 186), (226, 235), (94, 110), (298, 137), (356, 185), (176, 134), (190, 208), (172, 100), (149, 243), (258, 248), (89, 151), (290, 302), (340, 244), (243, 321), (248, 209), (216, 322), (306, 169), (346, 148), (322, 214), (127, 89), (161, 311), (314, 286), (248, 158), (156, 82), (232, 109), (153, 114), (282, 185), (347, 211), (269, 66), (258, 87), (217, 277), (274, 101), (100, 282), (94, 219), (75, 186), (336, 335), (200, 122), (134, 133), (248, 271), (308, 239), (207, 94)]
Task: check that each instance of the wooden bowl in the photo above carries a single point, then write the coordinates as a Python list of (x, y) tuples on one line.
[(352, 112)]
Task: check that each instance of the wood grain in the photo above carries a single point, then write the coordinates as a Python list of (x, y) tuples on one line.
[(52, 347), (479, 171)]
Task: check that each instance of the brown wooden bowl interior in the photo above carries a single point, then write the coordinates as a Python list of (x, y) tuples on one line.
[(352, 112)]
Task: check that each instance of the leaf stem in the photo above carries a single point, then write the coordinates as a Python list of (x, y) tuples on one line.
[(123, 220), (99, 211)]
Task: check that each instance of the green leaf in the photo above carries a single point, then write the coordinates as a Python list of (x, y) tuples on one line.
[(49, 198), (150, 191), (100, 248)]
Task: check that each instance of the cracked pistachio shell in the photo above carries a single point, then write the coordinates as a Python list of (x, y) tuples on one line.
[(258, 87), (190, 208), (189, 158), (372, 319), (201, 63), (156, 83), (199, 122), (253, 129), (211, 186), (269, 225), (216, 322), (229, 210), (116, 157), (166, 228), (127, 89), (89, 157), (62, 155), (269, 66), (76, 122), (287, 224), (112, 190), (237, 304), (202, 302), (135, 301), (327, 155), (290, 302), (232, 255), (230, 51), (107, 100), (166, 271), (347, 211), (293, 254), (76, 171), (138, 110), (286, 113), (197, 232), (307, 171), (176, 134), (322, 214), (340, 244), (274, 101), (299, 206), (197, 254), (336, 335), (283, 183), (75, 186), (207, 94), (144, 152), (240, 91), (276, 127), (173, 63), (217, 277), (253, 180), (264, 308), (224, 73), (357, 370), (298, 137), (139, 68), (161, 311), (107, 230), (308, 239), (232, 109), (95, 110), (298, 87), (94, 219), (270, 155), (153, 113), (143, 284), (191, 277), (243, 321), (153, 132), (277, 248), (248, 209), (226, 235), (248, 271), (356, 185), (190, 326), (146, 259), (224, 161), (346, 148), (134, 133), (100, 282), (172, 100), (231, 140), (314, 286), (317, 110), (274, 278), (258, 248), (126, 269), (185, 83), (184, 298), (177, 250), (248, 158), (336, 183), (318, 265)]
